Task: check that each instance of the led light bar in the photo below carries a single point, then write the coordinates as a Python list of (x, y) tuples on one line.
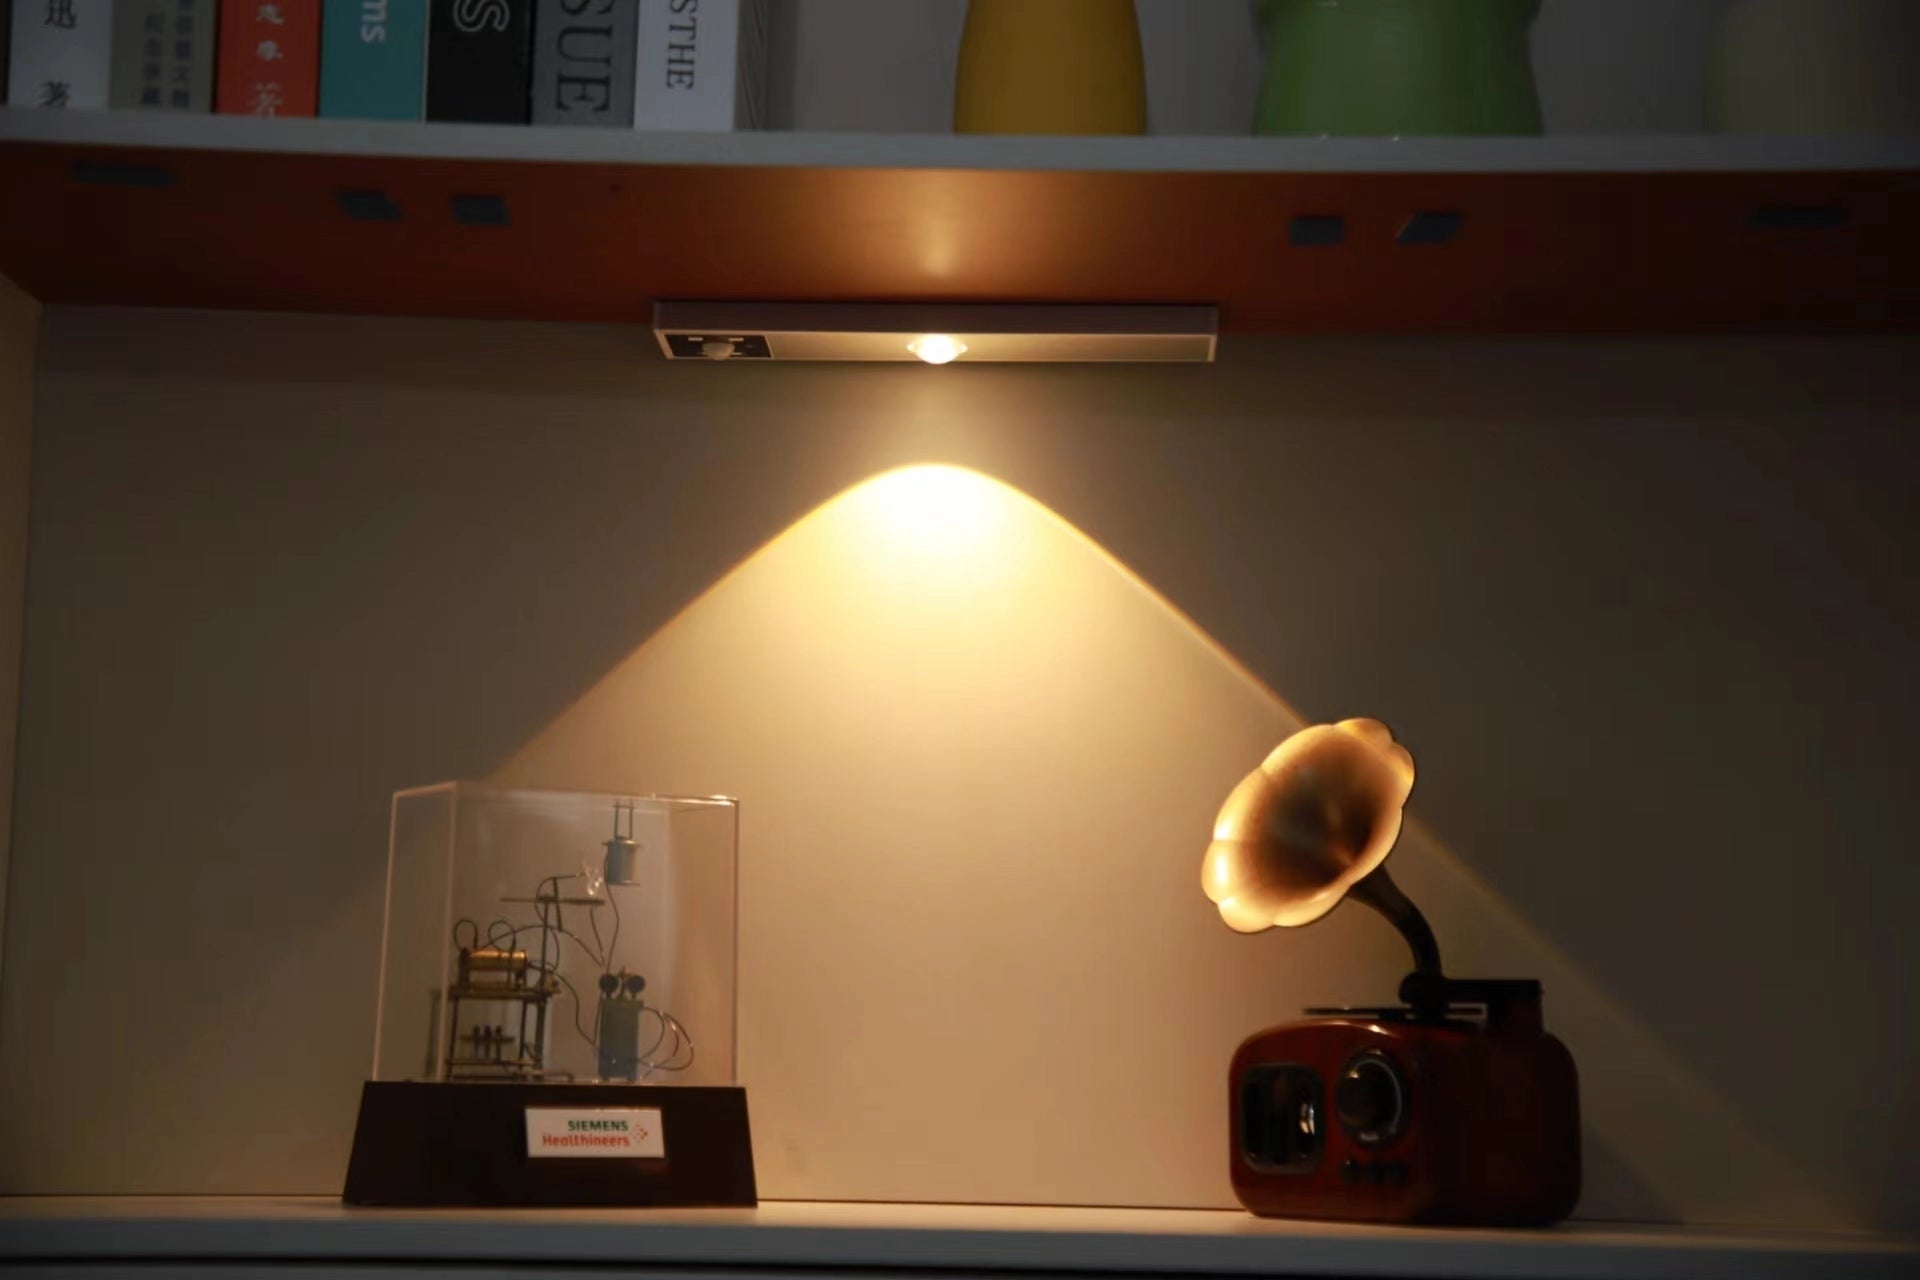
[(934, 333)]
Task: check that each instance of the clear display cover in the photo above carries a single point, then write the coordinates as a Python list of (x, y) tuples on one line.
[(558, 937)]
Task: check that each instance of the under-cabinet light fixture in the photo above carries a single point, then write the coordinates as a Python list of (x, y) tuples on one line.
[(938, 348), (936, 334)]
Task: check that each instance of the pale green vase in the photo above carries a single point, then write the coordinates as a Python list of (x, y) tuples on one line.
[(1398, 67)]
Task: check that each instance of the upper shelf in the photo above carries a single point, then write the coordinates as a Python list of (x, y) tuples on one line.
[(1284, 235), (1158, 154)]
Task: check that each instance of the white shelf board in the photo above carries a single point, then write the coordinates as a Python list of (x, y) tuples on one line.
[(1198, 154), (912, 1237)]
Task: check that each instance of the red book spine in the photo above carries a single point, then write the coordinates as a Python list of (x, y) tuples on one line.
[(269, 58)]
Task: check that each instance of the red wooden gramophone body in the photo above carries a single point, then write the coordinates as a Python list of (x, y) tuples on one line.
[(1454, 1107)]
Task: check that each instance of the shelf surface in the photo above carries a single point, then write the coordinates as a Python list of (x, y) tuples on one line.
[(944, 1237), (1572, 234), (771, 149)]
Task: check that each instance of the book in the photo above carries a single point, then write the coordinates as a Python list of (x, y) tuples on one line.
[(269, 58), (702, 64), (583, 60), (479, 60), (60, 54), (373, 59), (162, 55)]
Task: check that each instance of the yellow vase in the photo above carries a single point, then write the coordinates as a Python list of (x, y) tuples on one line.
[(1050, 66)]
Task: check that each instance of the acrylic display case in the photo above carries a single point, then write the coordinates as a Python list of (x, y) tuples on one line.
[(556, 1003), (528, 939)]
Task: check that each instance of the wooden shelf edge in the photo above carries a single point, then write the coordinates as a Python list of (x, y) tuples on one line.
[(904, 1237), (770, 149), (1282, 235)]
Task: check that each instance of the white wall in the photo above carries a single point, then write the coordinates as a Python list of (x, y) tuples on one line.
[(1641, 609), (19, 323), (1604, 66)]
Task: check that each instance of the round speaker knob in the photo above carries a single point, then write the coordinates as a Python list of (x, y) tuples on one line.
[(1371, 1099)]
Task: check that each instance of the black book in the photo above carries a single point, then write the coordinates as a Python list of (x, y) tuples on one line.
[(479, 60)]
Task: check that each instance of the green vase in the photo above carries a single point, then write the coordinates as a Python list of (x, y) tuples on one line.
[(1398, 67)]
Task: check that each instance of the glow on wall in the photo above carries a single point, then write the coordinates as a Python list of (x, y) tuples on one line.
[(977, 759)]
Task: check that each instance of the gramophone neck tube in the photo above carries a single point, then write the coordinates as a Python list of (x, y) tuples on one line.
[(1378, 891)]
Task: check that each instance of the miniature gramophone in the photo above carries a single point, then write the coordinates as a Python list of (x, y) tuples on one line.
[(1455, 1106)]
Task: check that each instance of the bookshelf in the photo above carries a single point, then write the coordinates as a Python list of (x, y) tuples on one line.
[(1555, 234)]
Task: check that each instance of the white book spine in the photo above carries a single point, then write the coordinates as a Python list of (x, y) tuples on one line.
[(62, 54), (701, 64)]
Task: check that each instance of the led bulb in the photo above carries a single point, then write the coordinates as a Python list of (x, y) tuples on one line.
[(938, 348)]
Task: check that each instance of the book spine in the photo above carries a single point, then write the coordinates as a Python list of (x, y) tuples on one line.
[(583, 61), (61, 54), (162, 55), (479, 60), (269, 58), (373, 59), (679, 81), (693, 71)]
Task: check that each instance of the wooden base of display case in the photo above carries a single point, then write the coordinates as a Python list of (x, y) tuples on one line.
[(451, 1145)]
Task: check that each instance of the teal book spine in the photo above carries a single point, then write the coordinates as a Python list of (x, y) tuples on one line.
[(373, 59)]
